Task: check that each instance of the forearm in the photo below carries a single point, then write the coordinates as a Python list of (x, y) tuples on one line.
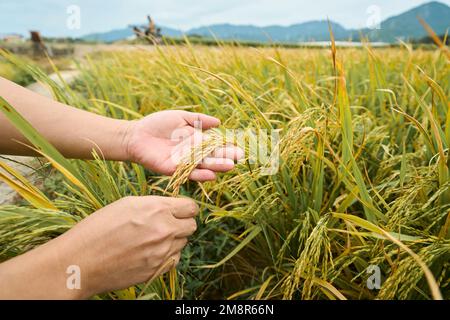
[(38, 274), (74, 132)]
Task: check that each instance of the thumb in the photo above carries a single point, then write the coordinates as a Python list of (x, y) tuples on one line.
[(200, 120)]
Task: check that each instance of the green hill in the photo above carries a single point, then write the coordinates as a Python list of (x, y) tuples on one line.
[(404, 26)]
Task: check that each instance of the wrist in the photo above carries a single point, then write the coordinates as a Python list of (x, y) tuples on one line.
[(69, 253), (119, 141)]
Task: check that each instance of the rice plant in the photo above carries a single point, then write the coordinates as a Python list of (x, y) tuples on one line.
[(363, 175)]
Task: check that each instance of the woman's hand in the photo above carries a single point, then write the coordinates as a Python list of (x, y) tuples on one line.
[(125, 243), (154, 140)]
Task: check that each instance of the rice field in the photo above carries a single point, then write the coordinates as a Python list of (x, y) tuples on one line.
[(362, 181), (8, 71)]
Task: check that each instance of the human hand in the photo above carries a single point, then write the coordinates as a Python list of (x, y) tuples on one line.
[(128, 242), (153, 140)]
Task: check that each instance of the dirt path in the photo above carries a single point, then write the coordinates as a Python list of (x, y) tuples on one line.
[(68, 76), (25, 164)]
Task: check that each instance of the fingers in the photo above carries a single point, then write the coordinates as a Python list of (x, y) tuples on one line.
[(221, 160), (177, 245), (217, 164), (229, 152), (174, 254), (182, 208), (185, 227), (182, 134), (202, 175), (197, 119)]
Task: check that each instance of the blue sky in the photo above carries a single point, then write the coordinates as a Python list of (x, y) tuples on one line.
[(50, 16)]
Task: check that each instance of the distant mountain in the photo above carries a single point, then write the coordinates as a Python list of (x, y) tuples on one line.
[(404, 26), (110, 36), (308, 31)]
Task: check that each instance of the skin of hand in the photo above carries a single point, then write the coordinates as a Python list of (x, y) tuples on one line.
[(127, 242), (153, 141)]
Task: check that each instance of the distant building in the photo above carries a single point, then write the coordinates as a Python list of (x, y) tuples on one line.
[(12, 38)]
